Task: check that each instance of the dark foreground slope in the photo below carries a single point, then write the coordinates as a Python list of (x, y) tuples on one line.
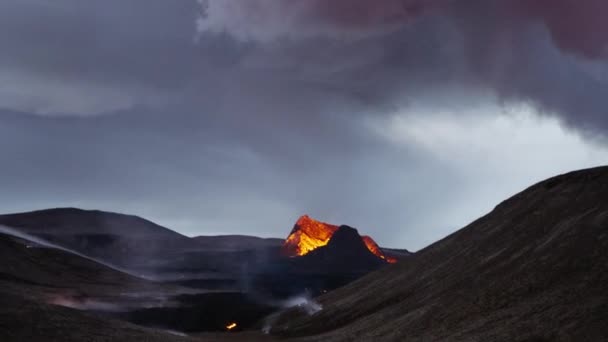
[(23, 320), (47, 274), (37, 283), (534, 269)]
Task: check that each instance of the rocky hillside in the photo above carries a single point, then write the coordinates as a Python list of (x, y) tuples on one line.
[(534, 269), (43, 292)]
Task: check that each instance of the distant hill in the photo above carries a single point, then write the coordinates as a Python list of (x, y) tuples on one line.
[(534, 269), (79, 221), (131, 241), (236, 242), (396, 253), (123, 240), (135, 243)]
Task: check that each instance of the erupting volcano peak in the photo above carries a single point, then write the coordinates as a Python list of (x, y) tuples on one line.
[(309, 234)]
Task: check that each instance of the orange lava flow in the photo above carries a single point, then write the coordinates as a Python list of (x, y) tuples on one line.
[(309, 234), (374, 248)]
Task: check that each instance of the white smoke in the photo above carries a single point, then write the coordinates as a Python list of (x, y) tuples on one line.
[(302, 302), (85, 304), (38, 242)]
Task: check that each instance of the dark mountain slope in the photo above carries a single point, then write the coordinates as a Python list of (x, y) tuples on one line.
[(345, 253), (24, 320), (344, 258), (124, 240), (36, 285), (534, 269), (44, 273), (79, 221)]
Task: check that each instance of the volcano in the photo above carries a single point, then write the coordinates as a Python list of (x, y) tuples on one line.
[(309, 235), (318, 257), (533, 269)]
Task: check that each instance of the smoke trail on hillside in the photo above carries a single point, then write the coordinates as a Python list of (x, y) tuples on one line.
[(38, 242)]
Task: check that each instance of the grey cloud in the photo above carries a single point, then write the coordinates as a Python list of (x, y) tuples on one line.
[(266, 20), (128, 53), (521, 52)]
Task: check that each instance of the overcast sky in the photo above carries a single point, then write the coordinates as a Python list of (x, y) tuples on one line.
[(404, 118)]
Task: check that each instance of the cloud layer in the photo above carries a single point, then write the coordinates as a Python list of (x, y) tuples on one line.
[(266, 20), (549, 53), (404, 118)]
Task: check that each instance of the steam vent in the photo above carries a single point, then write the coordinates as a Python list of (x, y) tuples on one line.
[(309, 234)]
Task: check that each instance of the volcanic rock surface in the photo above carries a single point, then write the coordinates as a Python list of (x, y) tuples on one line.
[(345, 252)]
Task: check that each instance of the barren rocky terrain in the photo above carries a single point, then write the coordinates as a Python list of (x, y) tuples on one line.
[(534, 269)]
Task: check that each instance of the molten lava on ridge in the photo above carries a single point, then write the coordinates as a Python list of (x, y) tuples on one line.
[(309, 234)]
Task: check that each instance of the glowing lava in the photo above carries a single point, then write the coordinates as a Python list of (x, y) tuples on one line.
[(374, 248), (309, 234)]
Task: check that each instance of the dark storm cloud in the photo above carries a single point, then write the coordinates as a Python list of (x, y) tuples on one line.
[(268, 19), (550, 53), (366, 54), (576, 26), (239, 115)]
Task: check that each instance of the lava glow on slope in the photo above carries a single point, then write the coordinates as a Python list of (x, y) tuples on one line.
[(375, 249), (309, 234)]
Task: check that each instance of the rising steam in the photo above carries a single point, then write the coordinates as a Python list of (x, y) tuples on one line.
[(303, 302)]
